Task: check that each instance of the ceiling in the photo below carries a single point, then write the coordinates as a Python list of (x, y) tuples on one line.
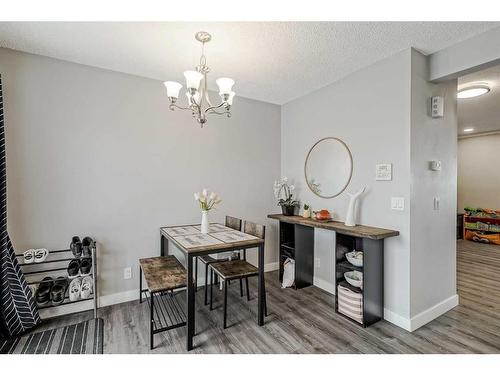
[(482, 112), (270, 61)]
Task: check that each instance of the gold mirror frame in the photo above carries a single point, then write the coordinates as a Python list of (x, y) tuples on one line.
[(350, 160)]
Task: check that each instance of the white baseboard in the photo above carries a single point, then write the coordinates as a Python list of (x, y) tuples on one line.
[(421, 319), (433, 312), (324, 285)]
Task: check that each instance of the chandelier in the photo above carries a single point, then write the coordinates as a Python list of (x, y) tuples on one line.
[(198, 100)]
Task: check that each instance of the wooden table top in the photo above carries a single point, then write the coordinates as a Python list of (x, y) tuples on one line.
[(189, 239), (337, 226)]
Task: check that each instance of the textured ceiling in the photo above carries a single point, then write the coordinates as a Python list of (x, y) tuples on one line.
[(482, 112), (270, 61)]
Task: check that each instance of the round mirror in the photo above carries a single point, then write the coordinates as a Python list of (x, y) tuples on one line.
[(328, 167)]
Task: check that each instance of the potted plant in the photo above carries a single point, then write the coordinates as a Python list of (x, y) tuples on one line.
[(307, 211), (207, 202), (283, 193)]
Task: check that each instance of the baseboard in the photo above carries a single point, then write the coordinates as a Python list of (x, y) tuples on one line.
[(421, 319), (433, 312), (324, 285), (397, 320)]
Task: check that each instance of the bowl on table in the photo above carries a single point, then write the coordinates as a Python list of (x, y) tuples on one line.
[(355, 278), (355, 258)]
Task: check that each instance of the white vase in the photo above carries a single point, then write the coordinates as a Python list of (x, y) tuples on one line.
[(204, 222), (350, 220)]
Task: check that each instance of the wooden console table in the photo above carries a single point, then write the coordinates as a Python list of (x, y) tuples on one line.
[(296, 241)]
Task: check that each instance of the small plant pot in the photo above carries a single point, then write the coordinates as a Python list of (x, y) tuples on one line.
[(288, 210)]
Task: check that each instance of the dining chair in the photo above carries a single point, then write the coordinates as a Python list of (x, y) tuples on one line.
[(233, 223), (238, 269)]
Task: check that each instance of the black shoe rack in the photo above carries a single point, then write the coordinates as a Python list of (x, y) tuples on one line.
[(56, 265)]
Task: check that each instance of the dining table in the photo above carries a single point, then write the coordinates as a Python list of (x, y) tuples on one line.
[(192, 243)]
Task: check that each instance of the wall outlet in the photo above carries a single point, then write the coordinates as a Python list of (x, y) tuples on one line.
[(437, 107), (397, 203), (127, 273)]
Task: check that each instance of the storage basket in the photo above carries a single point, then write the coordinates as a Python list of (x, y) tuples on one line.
[(350, 303)]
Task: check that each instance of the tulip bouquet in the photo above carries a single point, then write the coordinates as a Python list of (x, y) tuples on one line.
[(283, 192), (207, 202)]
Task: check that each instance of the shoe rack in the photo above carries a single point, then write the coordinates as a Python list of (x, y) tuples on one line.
[(55, 265)]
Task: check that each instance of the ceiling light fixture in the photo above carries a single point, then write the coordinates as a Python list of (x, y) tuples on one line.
[(472, 91), (198, 100)]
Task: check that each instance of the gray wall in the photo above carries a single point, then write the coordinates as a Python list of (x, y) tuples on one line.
[(370, 111), (94, 152), (478, 178), (433, 232)]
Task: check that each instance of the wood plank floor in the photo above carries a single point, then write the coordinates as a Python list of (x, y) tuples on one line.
[(304, 321)]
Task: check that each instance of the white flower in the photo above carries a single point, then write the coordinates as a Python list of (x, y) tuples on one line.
[(204, 192), (212, 195), (292, 187), (196, 196), (203, 199), (284, 180)]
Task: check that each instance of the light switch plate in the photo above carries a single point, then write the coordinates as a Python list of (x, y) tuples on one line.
[(398, 203), (127, 273), (437, 107)]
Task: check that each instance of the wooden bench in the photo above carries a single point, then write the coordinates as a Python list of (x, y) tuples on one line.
[(165, 278)]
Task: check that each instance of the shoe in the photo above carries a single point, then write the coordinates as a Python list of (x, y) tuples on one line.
[(76, 246), (29, 256), (74, 268), (75, 288), (87, 245), (42, 294), (41, 255), (58, 291), (85, 266), (87, 287)]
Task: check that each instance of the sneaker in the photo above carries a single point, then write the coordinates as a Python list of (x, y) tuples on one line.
[(87, 287), (76, 246), (58, 291), (87, 245), (74, 268), (85, 266), (75, 288)]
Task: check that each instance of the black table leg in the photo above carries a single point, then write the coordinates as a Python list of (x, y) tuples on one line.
[(261, 286), (190, 303), (163, 245)]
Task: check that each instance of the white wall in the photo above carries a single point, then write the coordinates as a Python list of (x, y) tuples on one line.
[(95, 152), (433, 232), (370, 111), (478, 177)]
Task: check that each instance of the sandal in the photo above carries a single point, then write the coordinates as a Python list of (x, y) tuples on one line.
[(41, 255), (58, 291), (29, 256), (73, 268)]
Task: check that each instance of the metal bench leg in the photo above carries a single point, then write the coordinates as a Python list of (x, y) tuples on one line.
[(225, 304), (151, 335), (195, 274), (241, 287), (211, 287), (248, 290), (206, 284), (140, 284)]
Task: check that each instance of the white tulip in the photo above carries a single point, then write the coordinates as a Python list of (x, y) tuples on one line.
[(212, 195), (196, 196), (284, 180), (204, 192), (292, 187)]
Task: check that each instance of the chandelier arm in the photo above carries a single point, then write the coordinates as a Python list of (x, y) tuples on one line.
[(172, 106), (213, 112), (213, 108)]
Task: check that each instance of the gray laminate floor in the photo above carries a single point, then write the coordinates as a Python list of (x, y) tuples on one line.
[(304, 321)]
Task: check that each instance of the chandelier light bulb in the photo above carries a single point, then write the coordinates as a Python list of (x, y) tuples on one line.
[(225, 85), (193, 79), (173, 89), (230, 98)]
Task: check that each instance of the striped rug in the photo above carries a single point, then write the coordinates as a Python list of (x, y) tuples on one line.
[(81, 338)]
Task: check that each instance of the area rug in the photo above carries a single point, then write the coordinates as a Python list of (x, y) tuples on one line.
[(82, 338)]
